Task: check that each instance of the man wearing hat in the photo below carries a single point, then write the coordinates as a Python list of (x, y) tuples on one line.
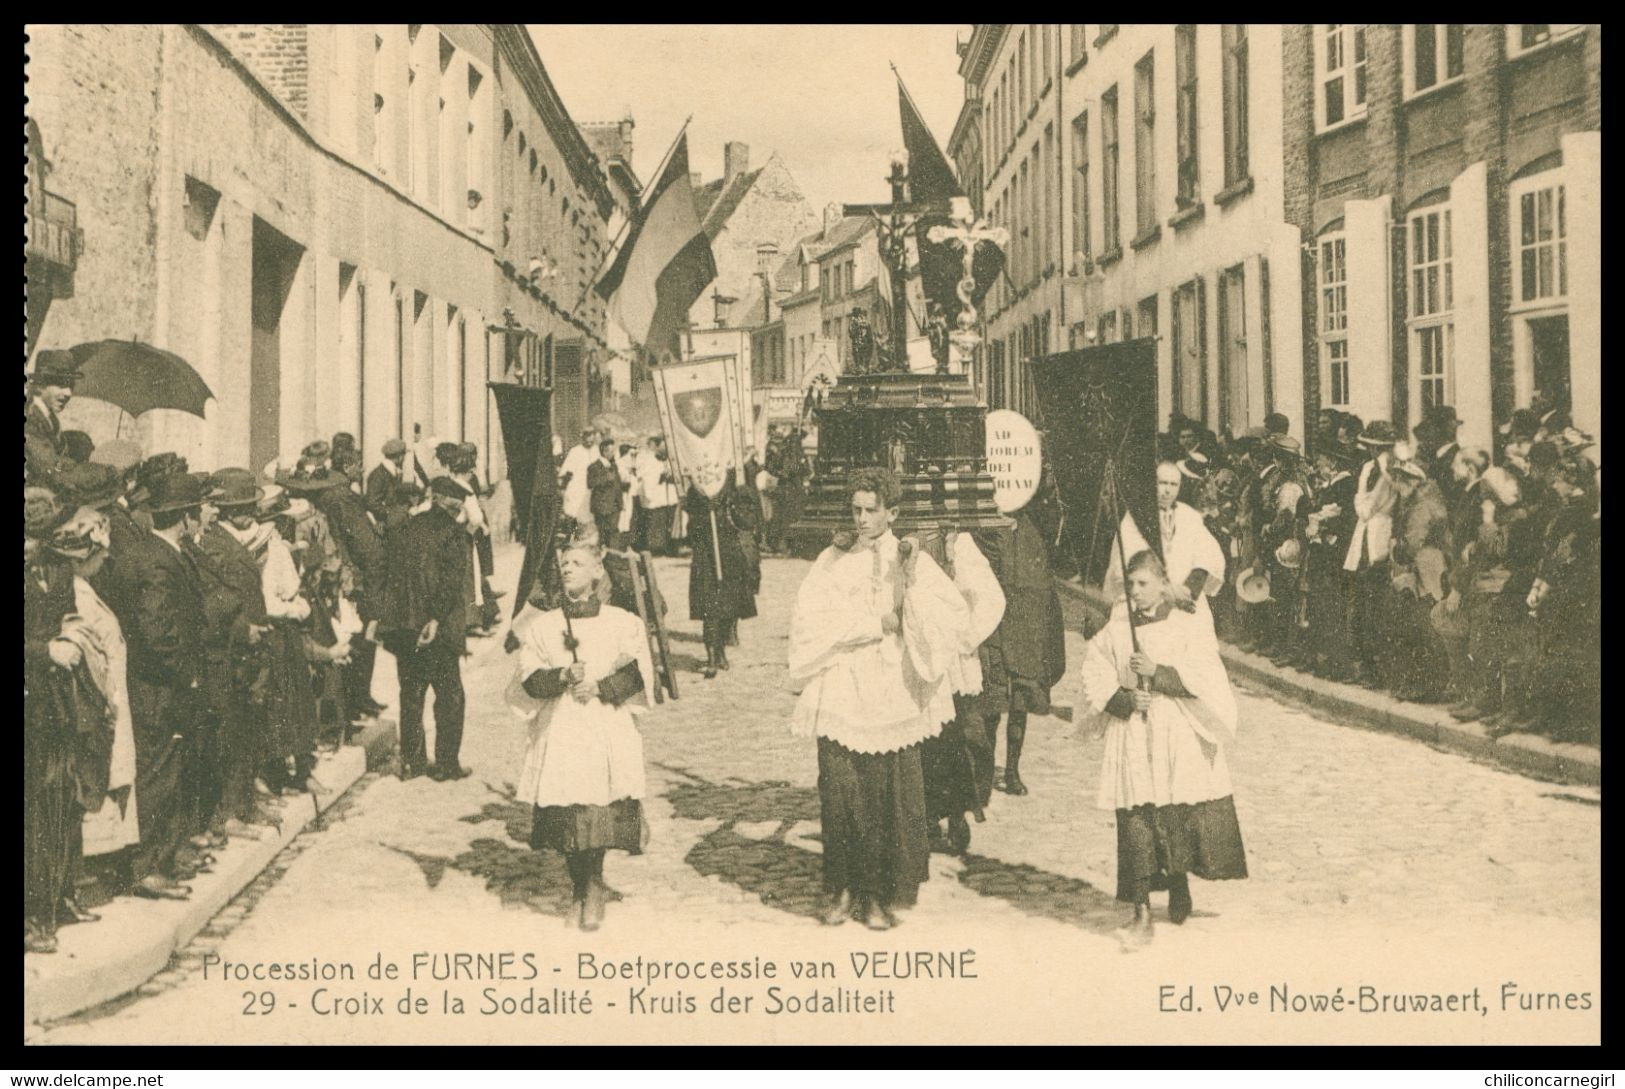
[(361, 547), (1436, 445), (1366, 562), (50, 388), (166, 632), (234, 610), (386, 498), (1285, 507), (422, 621), (1525, 543), (1328, 529)]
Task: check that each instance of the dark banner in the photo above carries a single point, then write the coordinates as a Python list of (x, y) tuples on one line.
[(1098, 412), (524, 412)]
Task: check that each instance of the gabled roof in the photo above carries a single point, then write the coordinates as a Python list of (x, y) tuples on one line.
[(715, 201), (848, 231)]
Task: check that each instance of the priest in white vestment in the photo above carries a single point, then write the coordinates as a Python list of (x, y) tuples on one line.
[(577, 500), (581, 671), (873, 639), (1195, 562), (1169, 718)]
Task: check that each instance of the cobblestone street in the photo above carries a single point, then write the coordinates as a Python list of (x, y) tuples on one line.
[(1374, 859)]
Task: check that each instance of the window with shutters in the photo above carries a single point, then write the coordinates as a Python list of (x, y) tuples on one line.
[(1110, 220), (1145, 149), (1340, 74), (1233, 377), (1106, 328), (1433, 55), (1540, 263), (1233, 38), (1431, 306), (1078, 48), (1189, 175), (1331, 268), (1189, 332)]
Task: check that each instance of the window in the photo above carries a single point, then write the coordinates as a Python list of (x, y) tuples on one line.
[(1079, 43), (1021, 71), (1146, 317), (1106, 328), (1233, 377), (1431, 328), (1433, 55), (1188, 180), (1024, 212), (1045, 51), (1522, 37), (995, 392), (1050, 222), (1332, 269), (1340, 64), (1107, 30), (1189, 346), (1145, 137), (1108, 171), (1540, 241), (1234, 41), (1080, 188)]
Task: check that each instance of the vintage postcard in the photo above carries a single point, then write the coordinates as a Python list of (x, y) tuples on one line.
[(987, 533)]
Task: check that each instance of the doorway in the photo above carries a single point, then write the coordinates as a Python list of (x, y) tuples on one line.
[(275, 261)]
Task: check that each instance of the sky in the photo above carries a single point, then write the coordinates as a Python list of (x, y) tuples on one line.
[(822, 96)]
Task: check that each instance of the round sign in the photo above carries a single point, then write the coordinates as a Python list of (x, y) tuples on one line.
[(1013, 458)]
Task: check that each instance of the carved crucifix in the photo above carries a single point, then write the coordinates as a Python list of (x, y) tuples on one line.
[(967, 232)]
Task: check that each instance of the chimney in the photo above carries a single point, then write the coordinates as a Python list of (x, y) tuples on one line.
[(832, 217), (735, 160)]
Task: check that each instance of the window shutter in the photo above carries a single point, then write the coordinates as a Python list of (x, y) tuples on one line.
[(1582, 171), (1469, 255), (1176, 377), (1201, 338), (1367, 252)]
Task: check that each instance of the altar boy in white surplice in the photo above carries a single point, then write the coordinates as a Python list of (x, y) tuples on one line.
[(1169, 718), (582, 669), (872, 640)]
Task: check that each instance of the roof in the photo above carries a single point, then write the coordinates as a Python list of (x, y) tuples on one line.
[(809, 295), (716, 203), (847, 232)]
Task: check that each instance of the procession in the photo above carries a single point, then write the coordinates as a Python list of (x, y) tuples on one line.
[(742, 562)]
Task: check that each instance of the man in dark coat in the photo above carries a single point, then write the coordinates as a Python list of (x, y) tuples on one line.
[(1026, 655), (386, 496), (1436, 446), (234, 609), (167, 655), (422, 621), (1329, 526), (605, 485), (50, 388), (363, 546), (723, 526)]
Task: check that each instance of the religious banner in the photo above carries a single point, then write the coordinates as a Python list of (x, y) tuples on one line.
[(528, 437), (703, 417), (1098, 411), (1014, 458)]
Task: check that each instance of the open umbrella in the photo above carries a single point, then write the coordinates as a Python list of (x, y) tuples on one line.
[(138, 378)]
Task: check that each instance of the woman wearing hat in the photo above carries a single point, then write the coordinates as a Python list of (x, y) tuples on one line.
[(288, 702), (60, 706), (111, 820), (1366, 561)]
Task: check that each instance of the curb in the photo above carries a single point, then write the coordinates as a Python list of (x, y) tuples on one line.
[(135, 938), (1351, 705)]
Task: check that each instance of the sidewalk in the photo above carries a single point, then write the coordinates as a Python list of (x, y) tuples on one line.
[(1351, 705), (133, 941)]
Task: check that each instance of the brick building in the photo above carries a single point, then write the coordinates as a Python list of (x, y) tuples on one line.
[(343, 227), (1131, 165), (1447, 183)]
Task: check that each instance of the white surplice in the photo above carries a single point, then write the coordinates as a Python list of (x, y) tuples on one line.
[(869, 690), (1186, 546), (577, 501), (95, 631), (1174, 754), (979, 586), (579, 753)]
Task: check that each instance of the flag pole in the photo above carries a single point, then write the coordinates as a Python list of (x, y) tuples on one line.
[(627, 226)]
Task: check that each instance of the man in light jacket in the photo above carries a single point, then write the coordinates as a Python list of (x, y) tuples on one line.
[(1365, 565)]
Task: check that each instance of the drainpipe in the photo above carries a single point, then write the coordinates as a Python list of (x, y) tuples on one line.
[(1061, 137)]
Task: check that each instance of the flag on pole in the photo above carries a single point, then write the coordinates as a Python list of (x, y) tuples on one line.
[(931, 179), (701, 413), (666, 262)]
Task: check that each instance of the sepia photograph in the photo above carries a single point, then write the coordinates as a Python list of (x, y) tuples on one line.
[(753, 534)]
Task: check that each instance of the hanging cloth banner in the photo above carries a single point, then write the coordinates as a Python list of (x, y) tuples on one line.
[(703, 417)]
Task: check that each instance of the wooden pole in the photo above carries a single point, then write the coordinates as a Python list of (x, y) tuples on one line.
[(716, 539)]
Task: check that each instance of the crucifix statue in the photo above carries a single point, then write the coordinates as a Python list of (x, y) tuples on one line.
[(967, 232), (897, 219)]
